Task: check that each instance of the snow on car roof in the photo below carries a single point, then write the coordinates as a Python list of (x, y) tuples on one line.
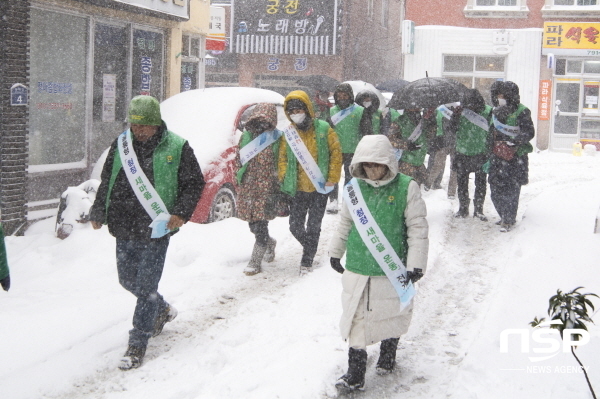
[(206, 117)]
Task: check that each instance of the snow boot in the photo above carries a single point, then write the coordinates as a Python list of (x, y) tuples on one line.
[(167, 315), (387, 356), (133, 357), (270, 253), (258, 252), (463, 210), (333, 207), (354, 379), (478, 212), (506, 227)]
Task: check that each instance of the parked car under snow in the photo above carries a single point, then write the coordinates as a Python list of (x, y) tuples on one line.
[(212, 120)]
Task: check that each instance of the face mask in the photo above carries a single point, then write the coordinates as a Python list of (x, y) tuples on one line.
[(367, 104), (501, 102), (343, 104), (298, 118)]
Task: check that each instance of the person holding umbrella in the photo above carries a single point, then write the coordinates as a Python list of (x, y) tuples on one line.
[(512, 130), (406, 135)]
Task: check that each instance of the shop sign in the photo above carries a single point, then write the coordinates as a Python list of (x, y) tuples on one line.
[(178, 8), (285, 27), (572, 38), (216, 29), (18, 94), (545, 98)]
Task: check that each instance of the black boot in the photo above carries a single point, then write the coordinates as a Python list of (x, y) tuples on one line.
[(463, 210), (478, 212), (133, 357), (387, 356), (357, 366)]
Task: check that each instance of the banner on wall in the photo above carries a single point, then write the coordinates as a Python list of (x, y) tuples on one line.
[(545, 98), (572, 38), (215, 40)]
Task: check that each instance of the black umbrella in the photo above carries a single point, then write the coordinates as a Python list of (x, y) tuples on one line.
[(463, 91), (392, 85), (425, 93), (319, 82)]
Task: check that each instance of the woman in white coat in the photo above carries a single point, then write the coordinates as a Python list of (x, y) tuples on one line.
[(371, 305)]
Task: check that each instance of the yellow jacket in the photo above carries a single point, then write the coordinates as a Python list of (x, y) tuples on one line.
[(310, 141)]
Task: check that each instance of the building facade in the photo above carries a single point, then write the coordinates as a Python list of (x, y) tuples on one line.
[(526, 41), (83, 63), (271, 44)]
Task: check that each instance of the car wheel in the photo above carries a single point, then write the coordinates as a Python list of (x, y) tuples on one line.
[(223, 205)]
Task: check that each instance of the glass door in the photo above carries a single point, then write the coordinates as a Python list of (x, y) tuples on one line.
[(566, 113), (590, 119), (111, 47)]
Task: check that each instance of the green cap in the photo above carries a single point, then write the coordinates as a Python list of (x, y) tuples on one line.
[(144, 110)]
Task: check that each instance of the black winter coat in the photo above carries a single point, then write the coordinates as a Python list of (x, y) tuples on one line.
[(126, 217), (515, 171)]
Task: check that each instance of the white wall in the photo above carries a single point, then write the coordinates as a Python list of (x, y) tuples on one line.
[(522, 63)]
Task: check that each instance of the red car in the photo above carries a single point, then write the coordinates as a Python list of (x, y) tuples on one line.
[(212, 121)]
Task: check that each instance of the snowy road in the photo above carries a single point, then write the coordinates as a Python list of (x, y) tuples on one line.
[(275, 335)]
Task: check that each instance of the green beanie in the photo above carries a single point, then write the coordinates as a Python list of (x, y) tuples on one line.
[(144, 110)]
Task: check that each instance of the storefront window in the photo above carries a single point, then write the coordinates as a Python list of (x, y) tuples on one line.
[(591, 67), (58, 88)]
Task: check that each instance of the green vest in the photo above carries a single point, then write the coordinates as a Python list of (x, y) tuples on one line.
[(348, 129), (165, 165), (470, 138), (3, 258), (376, 122), (416, 157), (387, 204), (246, 138), (512, 121), (290, 180)]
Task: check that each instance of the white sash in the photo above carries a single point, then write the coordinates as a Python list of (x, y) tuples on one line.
[(416, 133), (476, 119), (261, 142), (338, 117), (377, 243), (143, 189), (306, 160), (447, 112), (512, 131)]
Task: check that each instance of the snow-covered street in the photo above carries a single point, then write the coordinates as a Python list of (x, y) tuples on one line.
[(64, 323)]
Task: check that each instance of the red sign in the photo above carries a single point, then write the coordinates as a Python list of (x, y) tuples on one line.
[(545, 97)]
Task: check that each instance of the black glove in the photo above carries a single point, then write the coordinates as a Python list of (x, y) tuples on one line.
[(336, 264), (411, 146), (5, 283), (414, 275)]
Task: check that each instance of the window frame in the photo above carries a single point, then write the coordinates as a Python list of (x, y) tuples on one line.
[(472, 10), (549, 10)]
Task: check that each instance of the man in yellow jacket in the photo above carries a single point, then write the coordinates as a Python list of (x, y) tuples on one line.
[(308, 181)]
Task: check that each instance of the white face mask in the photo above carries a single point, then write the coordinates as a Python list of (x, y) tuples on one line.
[(367, 104), (501, 102), (298, 118)]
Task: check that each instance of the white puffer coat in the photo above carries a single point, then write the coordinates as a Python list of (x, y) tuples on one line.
[(371, 307)]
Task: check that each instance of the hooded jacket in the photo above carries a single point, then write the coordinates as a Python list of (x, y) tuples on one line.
[(322, 143), (349, 129), (371, 120), (513, 114), (383, 318)]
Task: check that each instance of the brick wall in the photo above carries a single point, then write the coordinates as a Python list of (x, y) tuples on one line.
[(14, 68)]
